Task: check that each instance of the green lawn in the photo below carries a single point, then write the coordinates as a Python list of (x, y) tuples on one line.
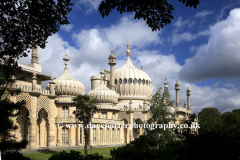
[(105, 152)]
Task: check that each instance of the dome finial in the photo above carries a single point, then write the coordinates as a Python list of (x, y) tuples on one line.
[(142, 68), (112, 51), (66, 59), (165, 79), (128, 51), (52, 77)]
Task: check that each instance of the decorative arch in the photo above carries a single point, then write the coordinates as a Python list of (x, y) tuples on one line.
[(43, 103), (139, 115)]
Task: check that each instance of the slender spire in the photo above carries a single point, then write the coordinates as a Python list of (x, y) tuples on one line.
[(166, 88), (66, 59), (128, 51), (52, 77)]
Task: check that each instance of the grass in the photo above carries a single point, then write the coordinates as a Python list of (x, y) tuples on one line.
[(105, 152)]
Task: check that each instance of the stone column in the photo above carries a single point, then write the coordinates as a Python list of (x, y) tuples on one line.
[(33, 116), (78, 136), (51, 135), (121, 135), (59, 132), (130, 128), (91, 136), (71, 136), (130, 120)]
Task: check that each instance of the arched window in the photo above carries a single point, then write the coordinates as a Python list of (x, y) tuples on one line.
[(120, 81), (130, 80), (139, 81), (65, 112), (134, 80), (104, 115), (113, 116), (143, 81), (116, 81), (65, 136), (146, 82), (125, 80)]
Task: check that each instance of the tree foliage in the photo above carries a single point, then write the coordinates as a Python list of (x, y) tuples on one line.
[(24, 24), (157, 13), (85, 107), (27, 23), (148, 145), (210, 120)]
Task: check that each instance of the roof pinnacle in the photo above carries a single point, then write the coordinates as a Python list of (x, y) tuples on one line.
[(66, 59), (128, 51)]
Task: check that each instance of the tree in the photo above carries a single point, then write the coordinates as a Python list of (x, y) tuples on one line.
[(236, 111), (84, 111), (210, 120), (148, 145), (27, 23), (24, 24), (161, 113), (231, 123), (157, 13)]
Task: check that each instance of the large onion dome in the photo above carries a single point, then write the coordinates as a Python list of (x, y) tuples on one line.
[(66, 84), (104, 94), (131, 82)]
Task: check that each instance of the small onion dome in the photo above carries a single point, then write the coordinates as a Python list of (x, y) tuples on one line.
[(177, 84), (112, 55), (188, 90), (104, 94), (66, 84), (131, 82)]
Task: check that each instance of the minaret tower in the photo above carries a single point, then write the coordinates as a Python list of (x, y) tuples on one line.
[(34, 61), (177, 93), (112, 63), (188, 99), (166, 89)]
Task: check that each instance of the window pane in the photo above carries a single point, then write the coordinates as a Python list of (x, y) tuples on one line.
[(134, 81), (120, 81), (139, 81), (130, 80), (125, 80)]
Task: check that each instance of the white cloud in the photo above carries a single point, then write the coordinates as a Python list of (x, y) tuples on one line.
[(90, 5), (203, 13), (67, 28), (182, 23), (185, 36), (220, 56), (216, 84)]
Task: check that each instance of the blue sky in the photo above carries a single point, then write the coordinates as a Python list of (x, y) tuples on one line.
[(200, 49)]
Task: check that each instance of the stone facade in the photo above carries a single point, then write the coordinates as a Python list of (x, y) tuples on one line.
[(123, 97)]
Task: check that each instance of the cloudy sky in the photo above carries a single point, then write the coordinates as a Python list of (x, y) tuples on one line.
[(200, 49)]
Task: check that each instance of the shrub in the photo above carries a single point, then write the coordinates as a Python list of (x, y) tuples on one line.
[(13, 155), (75, 155)]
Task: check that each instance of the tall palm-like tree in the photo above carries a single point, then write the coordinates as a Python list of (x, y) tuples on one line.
[(85, 107)]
